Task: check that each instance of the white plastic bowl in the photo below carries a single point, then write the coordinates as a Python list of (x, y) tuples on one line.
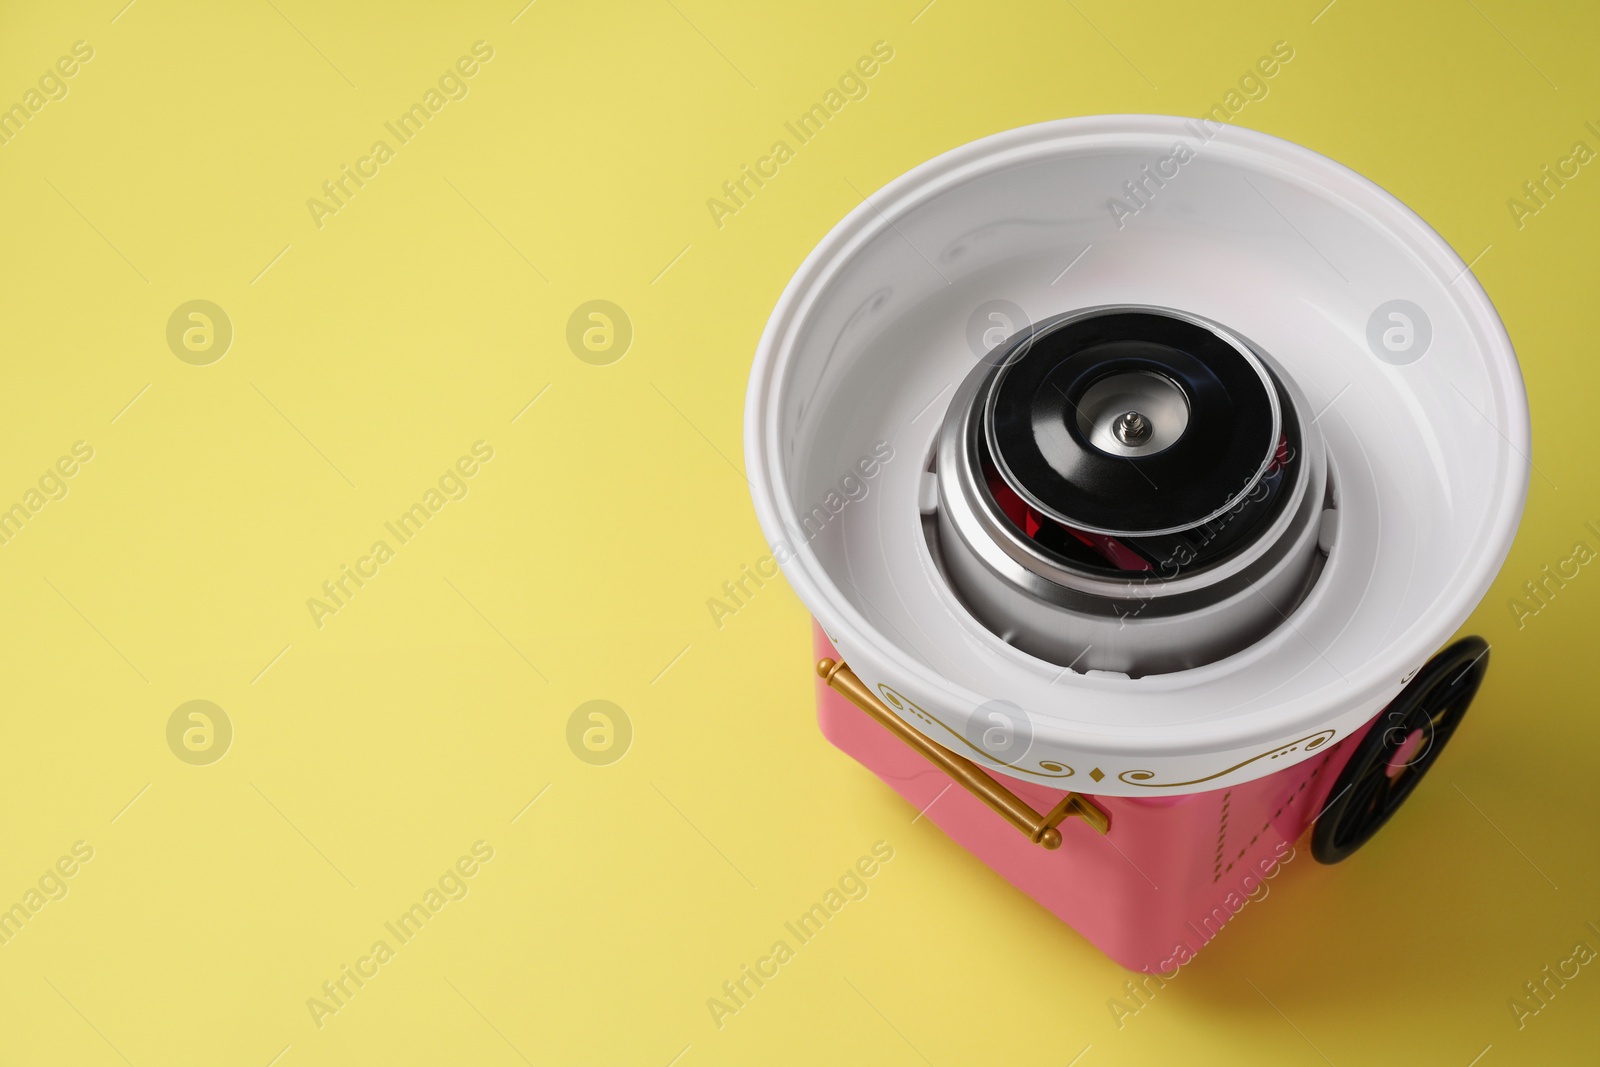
[(1427, 446)]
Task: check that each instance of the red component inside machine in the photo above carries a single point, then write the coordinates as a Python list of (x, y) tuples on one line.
[(1113, 551), (1280, 457), (1031, 522)]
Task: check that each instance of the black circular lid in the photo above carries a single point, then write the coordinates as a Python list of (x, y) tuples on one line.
[(1130, 421)]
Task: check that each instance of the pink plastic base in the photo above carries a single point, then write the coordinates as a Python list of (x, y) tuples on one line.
[(1152, 891)]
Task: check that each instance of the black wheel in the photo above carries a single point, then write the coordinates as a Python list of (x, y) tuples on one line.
[(1403, 743)]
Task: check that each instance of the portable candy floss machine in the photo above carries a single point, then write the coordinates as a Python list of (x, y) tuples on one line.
[(1134, 470)]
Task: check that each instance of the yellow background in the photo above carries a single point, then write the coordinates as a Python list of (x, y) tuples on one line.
[(371, 752)]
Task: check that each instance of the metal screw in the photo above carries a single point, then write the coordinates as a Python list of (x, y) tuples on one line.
[(1131, 428)]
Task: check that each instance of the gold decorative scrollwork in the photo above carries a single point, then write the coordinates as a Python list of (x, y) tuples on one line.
[(1046, 768), (1309, 743)]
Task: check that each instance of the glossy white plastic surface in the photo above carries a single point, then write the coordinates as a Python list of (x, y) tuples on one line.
[(1427, 445)]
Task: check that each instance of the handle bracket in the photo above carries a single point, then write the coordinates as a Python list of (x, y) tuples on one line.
[(1040, 829)]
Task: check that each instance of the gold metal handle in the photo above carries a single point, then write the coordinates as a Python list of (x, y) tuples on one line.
[(1041, 829)]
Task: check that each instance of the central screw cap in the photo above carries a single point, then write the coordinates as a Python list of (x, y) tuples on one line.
[(1132, 428)]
